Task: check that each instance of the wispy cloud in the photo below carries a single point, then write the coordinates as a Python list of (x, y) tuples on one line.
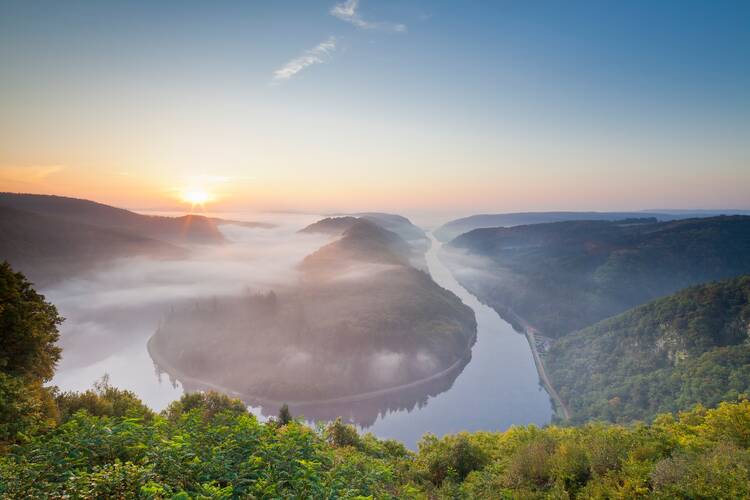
[(317, 55), (347, 11)]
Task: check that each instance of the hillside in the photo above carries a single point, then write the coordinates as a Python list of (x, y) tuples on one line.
[(564, 276), (360, 320), (179, 230), (334, 226), (691, 347), (50, 248), (454, 228), (391, 222), (407, 232), (397, 224)]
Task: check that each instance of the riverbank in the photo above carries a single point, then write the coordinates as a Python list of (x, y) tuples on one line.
[(530, 333)]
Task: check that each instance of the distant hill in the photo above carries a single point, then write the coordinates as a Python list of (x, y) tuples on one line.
[(49, 248), (454, 228), (687, 348), (416, 238), (564, 276), (398, 224), (362, 241), (331, 225), (186, 229), (361, 320)]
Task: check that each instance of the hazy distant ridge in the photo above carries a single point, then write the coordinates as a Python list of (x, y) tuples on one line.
[(186, 229), (451, 229), (566, 275)]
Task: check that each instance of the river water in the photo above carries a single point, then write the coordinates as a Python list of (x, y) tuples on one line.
[(496, 388)]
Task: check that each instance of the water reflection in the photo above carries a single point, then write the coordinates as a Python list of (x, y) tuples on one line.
[(362, 411)]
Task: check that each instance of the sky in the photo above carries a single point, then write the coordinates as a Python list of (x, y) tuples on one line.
[(403, 106)]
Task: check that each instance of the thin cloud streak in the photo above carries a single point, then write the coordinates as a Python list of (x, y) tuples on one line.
[(347, 12), (317, 55)]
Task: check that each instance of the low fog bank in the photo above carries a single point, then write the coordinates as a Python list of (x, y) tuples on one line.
[(361, 319), (109, 311)]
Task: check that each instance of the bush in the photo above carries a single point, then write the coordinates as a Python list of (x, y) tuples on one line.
[(209, 403), (102, 401), (340, 434), (452, 457)]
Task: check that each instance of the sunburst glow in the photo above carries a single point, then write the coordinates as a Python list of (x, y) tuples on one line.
[(196, 197)]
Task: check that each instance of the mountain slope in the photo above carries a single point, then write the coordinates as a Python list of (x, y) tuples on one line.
[(414, 237), (564, 276), (186, 229), (49, 248), (334, 226), (454, 228), (397, 224), (691, 347)]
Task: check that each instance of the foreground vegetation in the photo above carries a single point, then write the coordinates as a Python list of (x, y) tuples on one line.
[(105, 443), (108, 445)]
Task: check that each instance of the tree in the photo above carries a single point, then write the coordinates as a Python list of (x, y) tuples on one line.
[(28, 325), (340, 434), (285, 416), (28, 355)]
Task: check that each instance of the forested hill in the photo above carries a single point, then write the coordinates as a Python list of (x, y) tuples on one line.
[(564, 276), (50, 248), (186, 229), (362, 241), (364, 228), (691, 347), (454, 228), (360, 319)]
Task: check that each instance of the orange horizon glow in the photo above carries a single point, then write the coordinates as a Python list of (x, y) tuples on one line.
[(496, 192)]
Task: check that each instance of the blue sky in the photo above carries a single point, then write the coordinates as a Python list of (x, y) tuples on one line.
[(464, 106)]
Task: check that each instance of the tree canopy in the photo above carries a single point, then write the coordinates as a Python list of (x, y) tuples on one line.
[(28, 355)]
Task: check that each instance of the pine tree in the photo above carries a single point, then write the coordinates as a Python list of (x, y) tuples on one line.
[(285, 416)]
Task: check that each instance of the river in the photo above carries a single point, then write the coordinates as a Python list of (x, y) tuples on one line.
[(496, 388)]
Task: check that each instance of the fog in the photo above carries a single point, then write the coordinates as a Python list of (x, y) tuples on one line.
[(114, 310)]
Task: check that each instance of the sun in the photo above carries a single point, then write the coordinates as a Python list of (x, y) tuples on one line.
[(196, 197)]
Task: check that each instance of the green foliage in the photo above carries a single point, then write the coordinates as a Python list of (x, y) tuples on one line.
[(452, 457), (29, 326), (28, 354), (340, 434), (103, 400), (207, 452), (691, 347), (25, 408), (208, 404)]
